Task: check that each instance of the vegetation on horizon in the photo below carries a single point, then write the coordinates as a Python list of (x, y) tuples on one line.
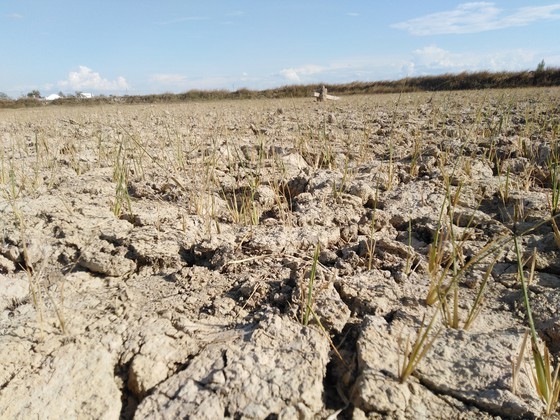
[(542, 77)]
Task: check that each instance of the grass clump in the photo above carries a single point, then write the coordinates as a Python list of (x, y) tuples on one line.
[(312, 275), (544, 376), (414, 352), (121, 201)]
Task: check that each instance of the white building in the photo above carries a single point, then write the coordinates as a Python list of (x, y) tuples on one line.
[(52, 97)]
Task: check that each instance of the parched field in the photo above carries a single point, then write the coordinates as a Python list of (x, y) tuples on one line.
[(390, 256)]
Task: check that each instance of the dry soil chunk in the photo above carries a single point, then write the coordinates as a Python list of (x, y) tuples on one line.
[(76, 381), (12, 289), (475, 367), (280, 364), (105, 259), (378, 390)]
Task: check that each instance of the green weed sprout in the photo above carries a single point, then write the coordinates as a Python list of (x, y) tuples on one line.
[(545, 378), (312, 276), (414, 353)]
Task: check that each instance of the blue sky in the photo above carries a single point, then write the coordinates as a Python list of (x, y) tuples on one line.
[(141, 46)]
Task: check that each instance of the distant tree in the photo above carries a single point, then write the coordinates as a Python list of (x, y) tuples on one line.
[(540, 67), (34, 94), (3, 96), (61, 94)]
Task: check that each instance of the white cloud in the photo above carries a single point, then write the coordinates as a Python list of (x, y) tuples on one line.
[(476, 17), (432, 59), (408, 68), (290, 75), (343, 70), (353, 14), (14, 16), (296, 75), (428, 60), (87, 79)]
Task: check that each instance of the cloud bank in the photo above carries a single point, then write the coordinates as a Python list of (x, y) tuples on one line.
[(426, 60), (433, 59), (477, 17), (87, 79), (296, 75)]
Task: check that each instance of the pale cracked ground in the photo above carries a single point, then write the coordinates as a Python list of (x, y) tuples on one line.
[(155, 261)]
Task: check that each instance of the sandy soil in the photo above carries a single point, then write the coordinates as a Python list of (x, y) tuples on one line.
[(278, 258)]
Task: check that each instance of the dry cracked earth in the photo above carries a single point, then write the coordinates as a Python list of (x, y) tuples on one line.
[(162, 261)]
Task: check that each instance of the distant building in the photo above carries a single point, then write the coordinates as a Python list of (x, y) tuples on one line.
[(52, 97), (85, 95)]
